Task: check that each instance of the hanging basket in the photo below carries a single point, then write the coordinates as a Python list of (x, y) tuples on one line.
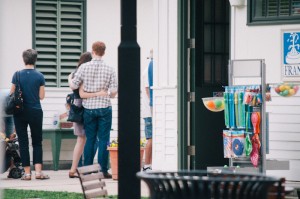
[(286, 89), (214, 104)]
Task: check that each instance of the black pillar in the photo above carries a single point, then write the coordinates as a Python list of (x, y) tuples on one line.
[(129, 104)]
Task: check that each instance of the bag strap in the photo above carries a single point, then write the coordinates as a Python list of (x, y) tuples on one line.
[(18, 78)]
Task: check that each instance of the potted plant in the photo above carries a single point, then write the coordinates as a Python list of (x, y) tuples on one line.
[(113, 154)]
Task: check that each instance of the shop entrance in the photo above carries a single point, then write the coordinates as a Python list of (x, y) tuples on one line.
[(207, 60)]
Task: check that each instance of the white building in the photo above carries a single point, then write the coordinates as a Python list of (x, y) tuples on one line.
[(192, 42)]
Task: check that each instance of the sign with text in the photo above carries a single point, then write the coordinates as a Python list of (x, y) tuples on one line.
[(291, 55)]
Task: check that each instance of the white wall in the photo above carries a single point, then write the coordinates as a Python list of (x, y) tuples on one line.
[(264, 42), (104, 23), (257, 42), (15, 37), (165, 150)]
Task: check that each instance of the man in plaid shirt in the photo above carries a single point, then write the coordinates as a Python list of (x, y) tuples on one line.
[(96, 76)]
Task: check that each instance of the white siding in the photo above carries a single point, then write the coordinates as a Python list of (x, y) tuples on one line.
[(264, 42), (15, 37), (165, 129), (165, 149), (54, 102)]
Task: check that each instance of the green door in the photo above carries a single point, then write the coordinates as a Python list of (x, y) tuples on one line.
[(203, 71)]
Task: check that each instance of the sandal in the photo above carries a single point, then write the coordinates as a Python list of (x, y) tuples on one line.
[(41, 176), (73, 175), (26, 176)]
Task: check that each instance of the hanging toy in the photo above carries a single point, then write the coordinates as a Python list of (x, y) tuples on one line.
[(248, 145), (237, 147), (254, 156), (238, 142), (255, 119)]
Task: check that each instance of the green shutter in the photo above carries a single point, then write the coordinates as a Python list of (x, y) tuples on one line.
[(59, 38), (46, 43), (71, 38)]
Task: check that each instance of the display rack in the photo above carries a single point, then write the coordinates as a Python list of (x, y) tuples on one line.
[(251, 72)]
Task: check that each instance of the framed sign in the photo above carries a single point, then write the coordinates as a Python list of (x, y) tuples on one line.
[(291, 55)]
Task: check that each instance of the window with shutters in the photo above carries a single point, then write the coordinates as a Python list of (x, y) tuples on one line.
[(273, 11), (59, 38)]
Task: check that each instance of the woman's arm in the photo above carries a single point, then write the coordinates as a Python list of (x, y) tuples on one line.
[(42, 92), (12, 88), (84, 94)]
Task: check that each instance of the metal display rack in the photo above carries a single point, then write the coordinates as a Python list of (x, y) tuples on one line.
[(250, 72)]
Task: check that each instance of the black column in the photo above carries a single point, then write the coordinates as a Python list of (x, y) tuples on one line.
[(129, 103)]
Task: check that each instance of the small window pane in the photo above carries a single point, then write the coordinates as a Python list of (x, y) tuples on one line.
[(207, 40), (219, 38), (275, 11), (296, 7), (207, 69), (207, 11)]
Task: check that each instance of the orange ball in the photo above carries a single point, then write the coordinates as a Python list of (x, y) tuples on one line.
[(211, 105)]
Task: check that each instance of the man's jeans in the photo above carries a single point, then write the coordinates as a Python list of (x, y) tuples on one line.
[(97, 123)]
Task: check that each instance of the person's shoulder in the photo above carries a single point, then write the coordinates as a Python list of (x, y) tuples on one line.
[(107, 65), (39, 73), (85, 64)]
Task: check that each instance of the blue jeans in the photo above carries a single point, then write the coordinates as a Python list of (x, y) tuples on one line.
[(97, 124), (80, 163), (148, 127)]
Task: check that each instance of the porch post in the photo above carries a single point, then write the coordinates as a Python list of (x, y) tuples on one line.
[(129, 103)]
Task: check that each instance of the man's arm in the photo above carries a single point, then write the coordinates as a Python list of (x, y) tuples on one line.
[(147, 92), (84, 94), (113, 85), (12, 88), (42, 92)]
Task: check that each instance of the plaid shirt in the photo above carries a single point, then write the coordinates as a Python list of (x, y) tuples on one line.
[(96, 75)]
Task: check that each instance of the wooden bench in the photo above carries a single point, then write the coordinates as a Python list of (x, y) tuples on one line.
[(56, 135), (90, 180)]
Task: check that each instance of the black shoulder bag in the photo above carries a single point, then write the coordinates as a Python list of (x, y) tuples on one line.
[(76, 112), (14, 102)]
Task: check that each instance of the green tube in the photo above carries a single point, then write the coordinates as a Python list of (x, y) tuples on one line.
[(226, 109), (242, 111), (236, 109)]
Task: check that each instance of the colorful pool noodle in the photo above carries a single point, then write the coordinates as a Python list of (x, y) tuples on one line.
[(226, 110), (236, 108), (231, 110), (241, 109)]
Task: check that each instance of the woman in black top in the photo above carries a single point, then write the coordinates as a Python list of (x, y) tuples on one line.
[(32, 85)]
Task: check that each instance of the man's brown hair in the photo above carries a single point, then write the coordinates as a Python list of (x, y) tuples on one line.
[(99, 48)]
